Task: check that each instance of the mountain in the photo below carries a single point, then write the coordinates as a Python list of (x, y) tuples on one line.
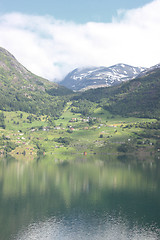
[(22, 90), (139, 97), (95, 77), (149, 70)]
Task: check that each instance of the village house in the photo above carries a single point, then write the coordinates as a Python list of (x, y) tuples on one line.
[(73, 120)]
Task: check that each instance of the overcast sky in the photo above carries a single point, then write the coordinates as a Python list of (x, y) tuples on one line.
[(51, 38)]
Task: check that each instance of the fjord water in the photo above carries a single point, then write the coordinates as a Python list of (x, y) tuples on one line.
[(87, 198)]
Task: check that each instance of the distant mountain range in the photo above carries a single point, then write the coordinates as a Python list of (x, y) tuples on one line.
[(94, 77)]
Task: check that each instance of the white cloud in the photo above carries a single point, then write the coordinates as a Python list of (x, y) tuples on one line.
[(51, 48)]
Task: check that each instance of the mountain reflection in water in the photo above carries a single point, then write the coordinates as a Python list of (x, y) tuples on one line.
[(95, 199)]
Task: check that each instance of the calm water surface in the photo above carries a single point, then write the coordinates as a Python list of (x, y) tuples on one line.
[(89, 198)]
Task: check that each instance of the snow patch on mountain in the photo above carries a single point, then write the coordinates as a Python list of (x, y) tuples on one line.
[(148, 70), (92, 77)]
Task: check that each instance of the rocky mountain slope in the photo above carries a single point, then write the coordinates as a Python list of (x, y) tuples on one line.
[(94, 77)]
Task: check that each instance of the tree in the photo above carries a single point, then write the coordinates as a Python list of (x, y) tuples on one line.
[(30, 118), (2, 122), (21, 115), (51, 121)]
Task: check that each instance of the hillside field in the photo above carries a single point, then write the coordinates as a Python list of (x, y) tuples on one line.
[(27, 136)]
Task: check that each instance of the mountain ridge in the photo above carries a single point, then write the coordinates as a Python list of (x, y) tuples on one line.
[(81, 79), (16, 73)]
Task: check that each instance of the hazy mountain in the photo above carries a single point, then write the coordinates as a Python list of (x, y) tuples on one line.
[(94, 77)]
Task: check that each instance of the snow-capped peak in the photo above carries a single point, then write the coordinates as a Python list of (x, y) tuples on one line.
[(92, 77)]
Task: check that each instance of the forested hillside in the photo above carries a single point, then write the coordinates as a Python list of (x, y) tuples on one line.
[(24, 91), (139, 97)]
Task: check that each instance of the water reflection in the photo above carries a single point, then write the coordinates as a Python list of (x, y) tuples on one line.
[(76, 229), (89, 198)]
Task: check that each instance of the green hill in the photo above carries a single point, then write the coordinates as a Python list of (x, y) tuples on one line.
[(139, 97), (24, 91)]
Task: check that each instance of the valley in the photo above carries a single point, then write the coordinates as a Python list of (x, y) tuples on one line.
[(41, 118)]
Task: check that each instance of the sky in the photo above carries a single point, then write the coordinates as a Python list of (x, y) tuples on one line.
[(53, 37)]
